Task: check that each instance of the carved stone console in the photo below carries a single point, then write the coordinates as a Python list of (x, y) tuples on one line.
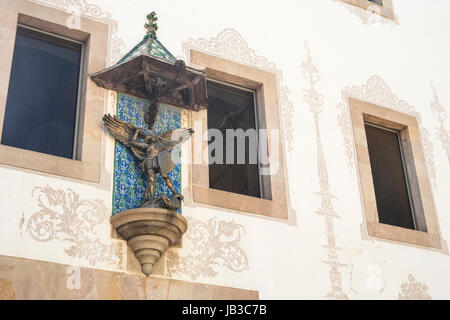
[(149, 232)]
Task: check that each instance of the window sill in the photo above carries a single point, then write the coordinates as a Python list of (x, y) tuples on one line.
[(241, 203), (405, 236), (41, 162)]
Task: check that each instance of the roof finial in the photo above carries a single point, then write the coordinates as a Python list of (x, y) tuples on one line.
[(151, 26)]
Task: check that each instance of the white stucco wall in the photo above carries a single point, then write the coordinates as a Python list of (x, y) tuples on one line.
[(286, 259)]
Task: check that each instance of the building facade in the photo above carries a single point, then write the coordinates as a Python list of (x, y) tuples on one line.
[(352, 96)]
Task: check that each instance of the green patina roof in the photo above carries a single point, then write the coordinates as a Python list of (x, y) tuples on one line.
[(150, 45)]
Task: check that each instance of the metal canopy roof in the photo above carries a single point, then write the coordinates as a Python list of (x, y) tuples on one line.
[(150, 71)]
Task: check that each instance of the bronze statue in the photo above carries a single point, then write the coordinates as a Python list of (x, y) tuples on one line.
[(154, 153)]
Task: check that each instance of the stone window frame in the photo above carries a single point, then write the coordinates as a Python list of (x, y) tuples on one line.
[(386, 10), (95, 36), (265, 84), (408, 125)]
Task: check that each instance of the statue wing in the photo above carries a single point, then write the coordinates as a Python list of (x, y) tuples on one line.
[(171, 139), (119, 129)]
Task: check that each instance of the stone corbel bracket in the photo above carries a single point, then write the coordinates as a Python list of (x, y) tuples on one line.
[(149, 232)]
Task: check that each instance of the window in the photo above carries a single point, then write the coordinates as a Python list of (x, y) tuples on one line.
[(382, 7), (42, 103), (233, 108), (239, 97), (396, 192), (49, 121), (380, 2), (389, 177)]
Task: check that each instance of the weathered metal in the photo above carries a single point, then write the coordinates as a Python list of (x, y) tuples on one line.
[(179, 85), (150, 71)]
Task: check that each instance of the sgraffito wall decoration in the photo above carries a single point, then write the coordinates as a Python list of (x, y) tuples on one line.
[(129, 182), (79, 6), (367, 17), (346, 131), (441, 116), (231, 45), (287, 114), (65, 217), (316, 105), (117, 49), (213, 244), (376, 91), (413, 290)]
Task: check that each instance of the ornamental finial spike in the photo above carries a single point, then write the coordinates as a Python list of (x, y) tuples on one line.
[(151, 26)]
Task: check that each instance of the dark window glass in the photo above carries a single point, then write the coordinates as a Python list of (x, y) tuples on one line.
[(231, 108), (391, 190), (380, 2), (43, 94)]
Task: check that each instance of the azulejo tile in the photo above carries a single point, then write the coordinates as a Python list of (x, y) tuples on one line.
[(129, 182)]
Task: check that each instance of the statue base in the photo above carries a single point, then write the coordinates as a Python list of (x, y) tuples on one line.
[(170, 203), (149, 232)]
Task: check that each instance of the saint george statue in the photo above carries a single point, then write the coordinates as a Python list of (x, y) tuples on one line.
[(155, 155)]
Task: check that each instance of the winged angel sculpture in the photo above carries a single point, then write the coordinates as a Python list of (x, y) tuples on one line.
[(155, 155)]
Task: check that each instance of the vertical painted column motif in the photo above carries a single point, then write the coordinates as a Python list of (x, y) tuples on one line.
[(441, 115), (326, 210)]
